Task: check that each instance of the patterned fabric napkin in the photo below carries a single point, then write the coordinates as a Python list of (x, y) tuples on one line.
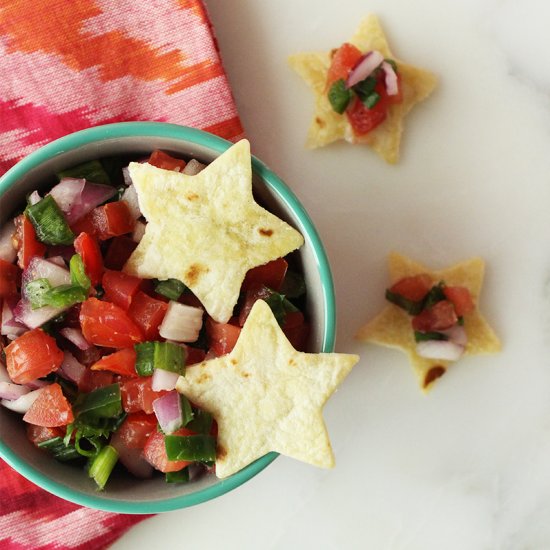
[(68, 65)]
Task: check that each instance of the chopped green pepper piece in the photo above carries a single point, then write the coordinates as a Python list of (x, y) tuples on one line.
[(102, 465), (145, 358), (171, 288), (435, 295), (40, 293), (181, 476), (199, 447), (293, 285), (201, 423), (92, 171), (169, 356), (365, 88), (339, 96), (78, 272), (186, 410), (423, 336), (104, 402), (49, 222)]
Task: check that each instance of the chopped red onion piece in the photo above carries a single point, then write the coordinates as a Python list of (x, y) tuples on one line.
[(132, 459), (35, 384), (456, 334), (75, 336), (21, 404), (181, 322), (34, 318), (364, 67), (139, 231), (76, 197), (7, 250), (58, 260), (390, 79), (11, 391), (131, 197), (126, 175), (193, 167), (168, 411), (444, 350), (71, 369), (163, 380), (40, 268), (9, 326), (34, 197)]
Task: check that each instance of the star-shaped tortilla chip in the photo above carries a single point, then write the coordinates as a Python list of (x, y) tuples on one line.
[(328, 126), (392, 327), (206, 230), (266, 396)]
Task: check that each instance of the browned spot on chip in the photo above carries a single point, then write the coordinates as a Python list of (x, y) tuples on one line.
[(433, 374), (203, 378), (192, 196), (320, 122), (265, 232), (234, 362), (291, 362), (194, 272), (221, 452), (245, 374)]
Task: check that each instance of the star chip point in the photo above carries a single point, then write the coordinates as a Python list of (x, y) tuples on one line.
[(392, 326), (328, 126), (206, 230), (266, 396)]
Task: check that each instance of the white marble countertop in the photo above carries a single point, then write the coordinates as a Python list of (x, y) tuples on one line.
[(466, 467)]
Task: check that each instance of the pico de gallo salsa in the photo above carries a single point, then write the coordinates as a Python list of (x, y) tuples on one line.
[(89, 355), (363, 86), (437, 315)]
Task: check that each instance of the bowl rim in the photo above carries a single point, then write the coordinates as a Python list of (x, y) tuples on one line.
[(280, 189)]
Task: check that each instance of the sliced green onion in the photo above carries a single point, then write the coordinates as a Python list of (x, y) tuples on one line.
[(49, 222), (40, 293), (435, 295), (78, 272), (92, 171), (186, 410), (145, 358), (88, 445), (59, 450), (371, 100), (102, 465), (365, 88), (412, 308), (104, 402), (201, 423), (171, 288), (199, 447), (339, 96), (169, 356), (423, 336), (181, 476), (36, 291), (293, 285)]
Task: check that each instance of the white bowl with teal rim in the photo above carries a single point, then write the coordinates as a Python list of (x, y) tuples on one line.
[(128, 494)]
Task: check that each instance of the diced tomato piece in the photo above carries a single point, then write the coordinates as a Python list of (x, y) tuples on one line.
[(194, 355), (110, 220), (120, 288), (50, 409), (120, 249), (94, 379), (257, 292), (155, 452), (33, 355), (105, 324), (461, 299), (147, 313), (163, 160), (296, 329), (344, 59), (26, 241), (138, 395), (414, 288), (440, 316), (88, 248), (363, 119), (9, 275), (39, 434), (136, 429), (270, 274), (121, 362), (222, 337)]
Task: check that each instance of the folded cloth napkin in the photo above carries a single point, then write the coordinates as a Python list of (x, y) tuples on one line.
[(68, 65)]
